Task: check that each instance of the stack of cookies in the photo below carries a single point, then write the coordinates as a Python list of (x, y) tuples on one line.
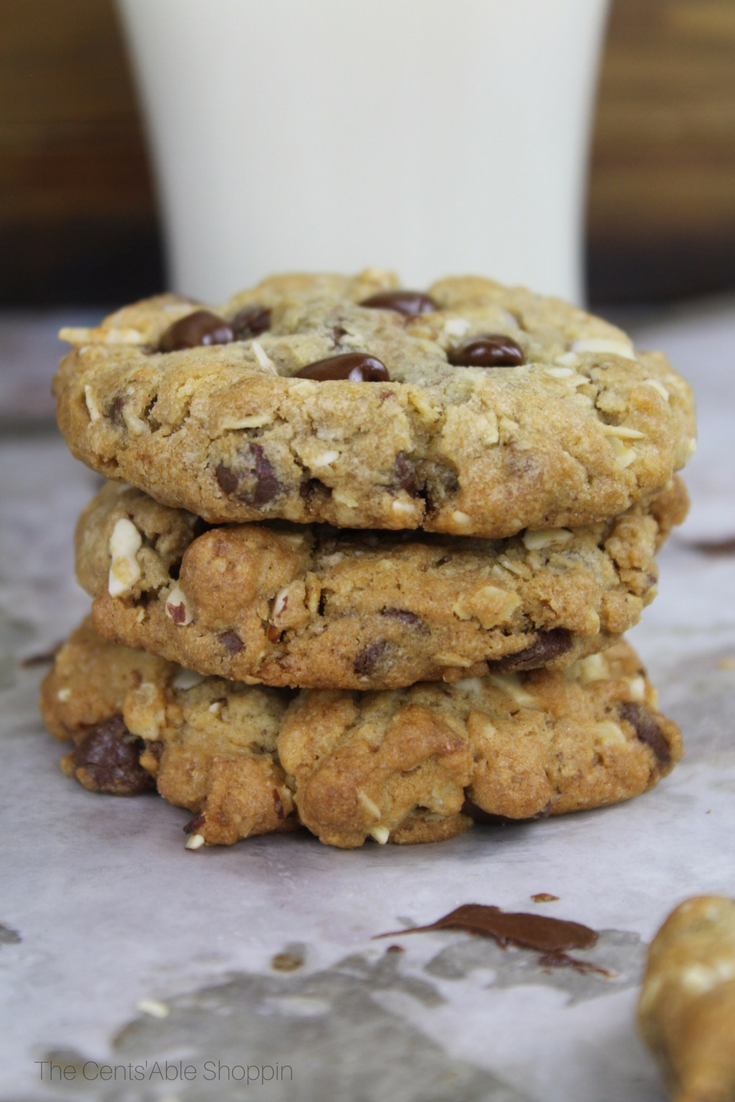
[(367, 557)]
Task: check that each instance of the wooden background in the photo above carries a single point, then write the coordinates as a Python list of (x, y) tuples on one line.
[(77, 211)]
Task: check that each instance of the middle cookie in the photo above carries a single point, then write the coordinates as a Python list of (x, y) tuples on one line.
[(317, 607)]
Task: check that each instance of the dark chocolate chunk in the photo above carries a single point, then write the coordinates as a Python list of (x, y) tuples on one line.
[(115, 409), (402, 615), (231, 641), (409, 303), (358, 367), (250, 322), (367, 659), (646, 729), (488, 350), (200, 328), (254, 481), (546, 935), (549, 645), (227, 479), (194, 824), (109, 757), (405, 475)]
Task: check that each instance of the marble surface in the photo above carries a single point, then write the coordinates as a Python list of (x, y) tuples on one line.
[(121, 949)]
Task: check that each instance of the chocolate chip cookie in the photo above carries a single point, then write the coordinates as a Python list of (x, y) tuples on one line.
[(410, 765), (473, 409), (314, 607)]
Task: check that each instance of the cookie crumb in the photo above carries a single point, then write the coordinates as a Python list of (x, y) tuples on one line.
[(154, 1007), (286, 962), (544, 897)]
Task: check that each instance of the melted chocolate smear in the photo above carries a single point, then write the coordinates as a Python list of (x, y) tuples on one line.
[(488, 350), (250, 322), (409, 303), (549, 645), (646, 729), (545, 935), (357, 367), (563, 960), (110, 755), (200, 328)]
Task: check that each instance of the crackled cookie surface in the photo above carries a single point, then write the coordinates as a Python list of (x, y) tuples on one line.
[(320, 608), (475, 409), (687, 1006), (409, 765)]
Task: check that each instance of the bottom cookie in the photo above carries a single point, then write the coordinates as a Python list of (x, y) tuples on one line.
[(408, 765)]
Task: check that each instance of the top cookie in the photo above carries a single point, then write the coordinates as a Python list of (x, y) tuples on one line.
[(475, 409)]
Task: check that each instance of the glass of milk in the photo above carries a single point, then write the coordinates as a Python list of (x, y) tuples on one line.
[(431, 136)]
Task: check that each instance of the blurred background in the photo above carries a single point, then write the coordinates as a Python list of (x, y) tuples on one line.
[(78, 219)]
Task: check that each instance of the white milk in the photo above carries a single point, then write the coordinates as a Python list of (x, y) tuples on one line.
[(430, 136)]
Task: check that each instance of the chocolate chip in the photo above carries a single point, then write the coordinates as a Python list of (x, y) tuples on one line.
[(194, 824), (409, 303), (646, 729), (402, 615), (254, 481), (280, 813), (405, 475), (549, 644), (115, 409), (109, 756), (227, 479), (200, 328), (251, 321), (231, 641), (488, 350), (358, 367), (367, 659)]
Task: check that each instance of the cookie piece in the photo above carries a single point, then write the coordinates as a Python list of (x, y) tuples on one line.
[(315, 607), (404, 766), (236, 416), (686, 1011)]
